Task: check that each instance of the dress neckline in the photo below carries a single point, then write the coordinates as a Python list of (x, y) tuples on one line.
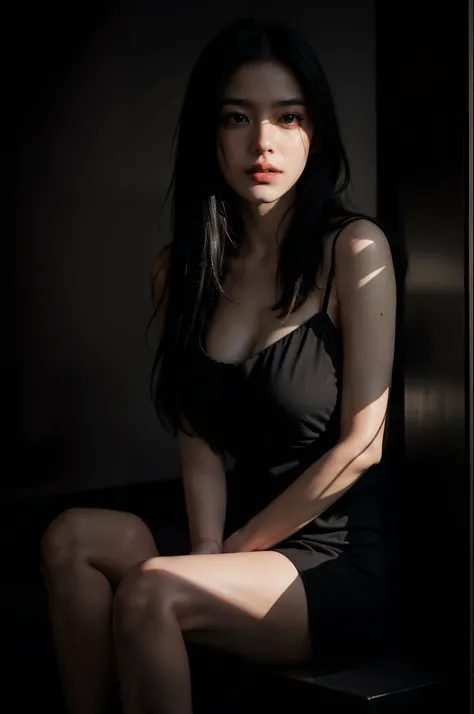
[(305, 324)]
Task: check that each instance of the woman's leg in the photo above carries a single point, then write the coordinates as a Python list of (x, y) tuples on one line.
[(251, 604), (85, 552)]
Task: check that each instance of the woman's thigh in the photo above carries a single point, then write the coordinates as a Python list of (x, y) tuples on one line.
[(250, 604)]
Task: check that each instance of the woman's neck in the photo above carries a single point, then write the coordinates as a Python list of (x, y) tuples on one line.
[(264, 226)]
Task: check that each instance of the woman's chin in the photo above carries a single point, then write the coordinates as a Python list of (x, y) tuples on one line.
[(263, 194)]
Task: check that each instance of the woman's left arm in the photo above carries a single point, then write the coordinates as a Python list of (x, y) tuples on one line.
[(366, 291)]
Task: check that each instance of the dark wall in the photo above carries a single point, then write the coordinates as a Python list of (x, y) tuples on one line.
[(97, 94), (425, 131)]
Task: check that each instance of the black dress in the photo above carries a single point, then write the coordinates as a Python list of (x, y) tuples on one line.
[(276, 413)]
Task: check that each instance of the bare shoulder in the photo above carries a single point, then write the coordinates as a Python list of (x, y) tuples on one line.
[(363, 253), (160, 268), (159, 273), (362, 242)]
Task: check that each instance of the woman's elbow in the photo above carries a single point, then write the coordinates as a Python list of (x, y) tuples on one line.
[(365, 452)]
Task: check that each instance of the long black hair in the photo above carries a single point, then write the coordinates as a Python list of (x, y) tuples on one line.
[(205, 223)]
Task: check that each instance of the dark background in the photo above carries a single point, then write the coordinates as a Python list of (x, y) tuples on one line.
[(93, 91), (100, 93)]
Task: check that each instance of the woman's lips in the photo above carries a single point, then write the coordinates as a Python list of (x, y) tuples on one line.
[(264, 176)]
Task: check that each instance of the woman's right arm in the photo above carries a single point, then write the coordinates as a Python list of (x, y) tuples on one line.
[(204, 476), (205, 491)]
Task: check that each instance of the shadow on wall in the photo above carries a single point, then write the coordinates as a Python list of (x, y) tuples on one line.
[(95, 167)]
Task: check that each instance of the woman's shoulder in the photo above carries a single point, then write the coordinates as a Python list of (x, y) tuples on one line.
[(160, 269), (362, 251), (159, 274), (342, 234), (360, 235), (160, 263)]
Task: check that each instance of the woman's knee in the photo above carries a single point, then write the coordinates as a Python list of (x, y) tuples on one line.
[(111, 542), (63, 542), (144, 595)]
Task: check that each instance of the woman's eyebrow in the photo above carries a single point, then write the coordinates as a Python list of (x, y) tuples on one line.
[(236, 101)]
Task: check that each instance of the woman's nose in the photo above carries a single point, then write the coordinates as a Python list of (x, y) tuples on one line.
[(263, 140)]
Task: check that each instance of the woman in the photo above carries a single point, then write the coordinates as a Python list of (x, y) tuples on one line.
[(277, 310)]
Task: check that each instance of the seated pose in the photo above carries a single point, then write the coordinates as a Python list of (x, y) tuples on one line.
[(276, 306)]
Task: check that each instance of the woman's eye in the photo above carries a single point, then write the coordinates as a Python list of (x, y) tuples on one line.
[(234, 118), (292, 118)]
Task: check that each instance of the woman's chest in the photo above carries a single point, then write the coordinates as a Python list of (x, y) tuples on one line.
[(244, 322), (297, 377)]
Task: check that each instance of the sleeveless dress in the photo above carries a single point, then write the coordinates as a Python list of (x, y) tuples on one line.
[(276, 413)]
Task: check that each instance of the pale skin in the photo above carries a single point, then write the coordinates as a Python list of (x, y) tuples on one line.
[(235, 595)]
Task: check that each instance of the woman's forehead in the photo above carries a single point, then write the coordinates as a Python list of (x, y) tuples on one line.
[(263, 82)]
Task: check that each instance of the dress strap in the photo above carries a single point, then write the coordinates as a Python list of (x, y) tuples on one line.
[(332, 266)]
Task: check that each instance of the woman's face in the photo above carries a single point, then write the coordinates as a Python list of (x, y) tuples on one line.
[(264, 132)]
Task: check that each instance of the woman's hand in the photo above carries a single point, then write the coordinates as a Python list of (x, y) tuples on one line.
[(236, 543), (211, 547)]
